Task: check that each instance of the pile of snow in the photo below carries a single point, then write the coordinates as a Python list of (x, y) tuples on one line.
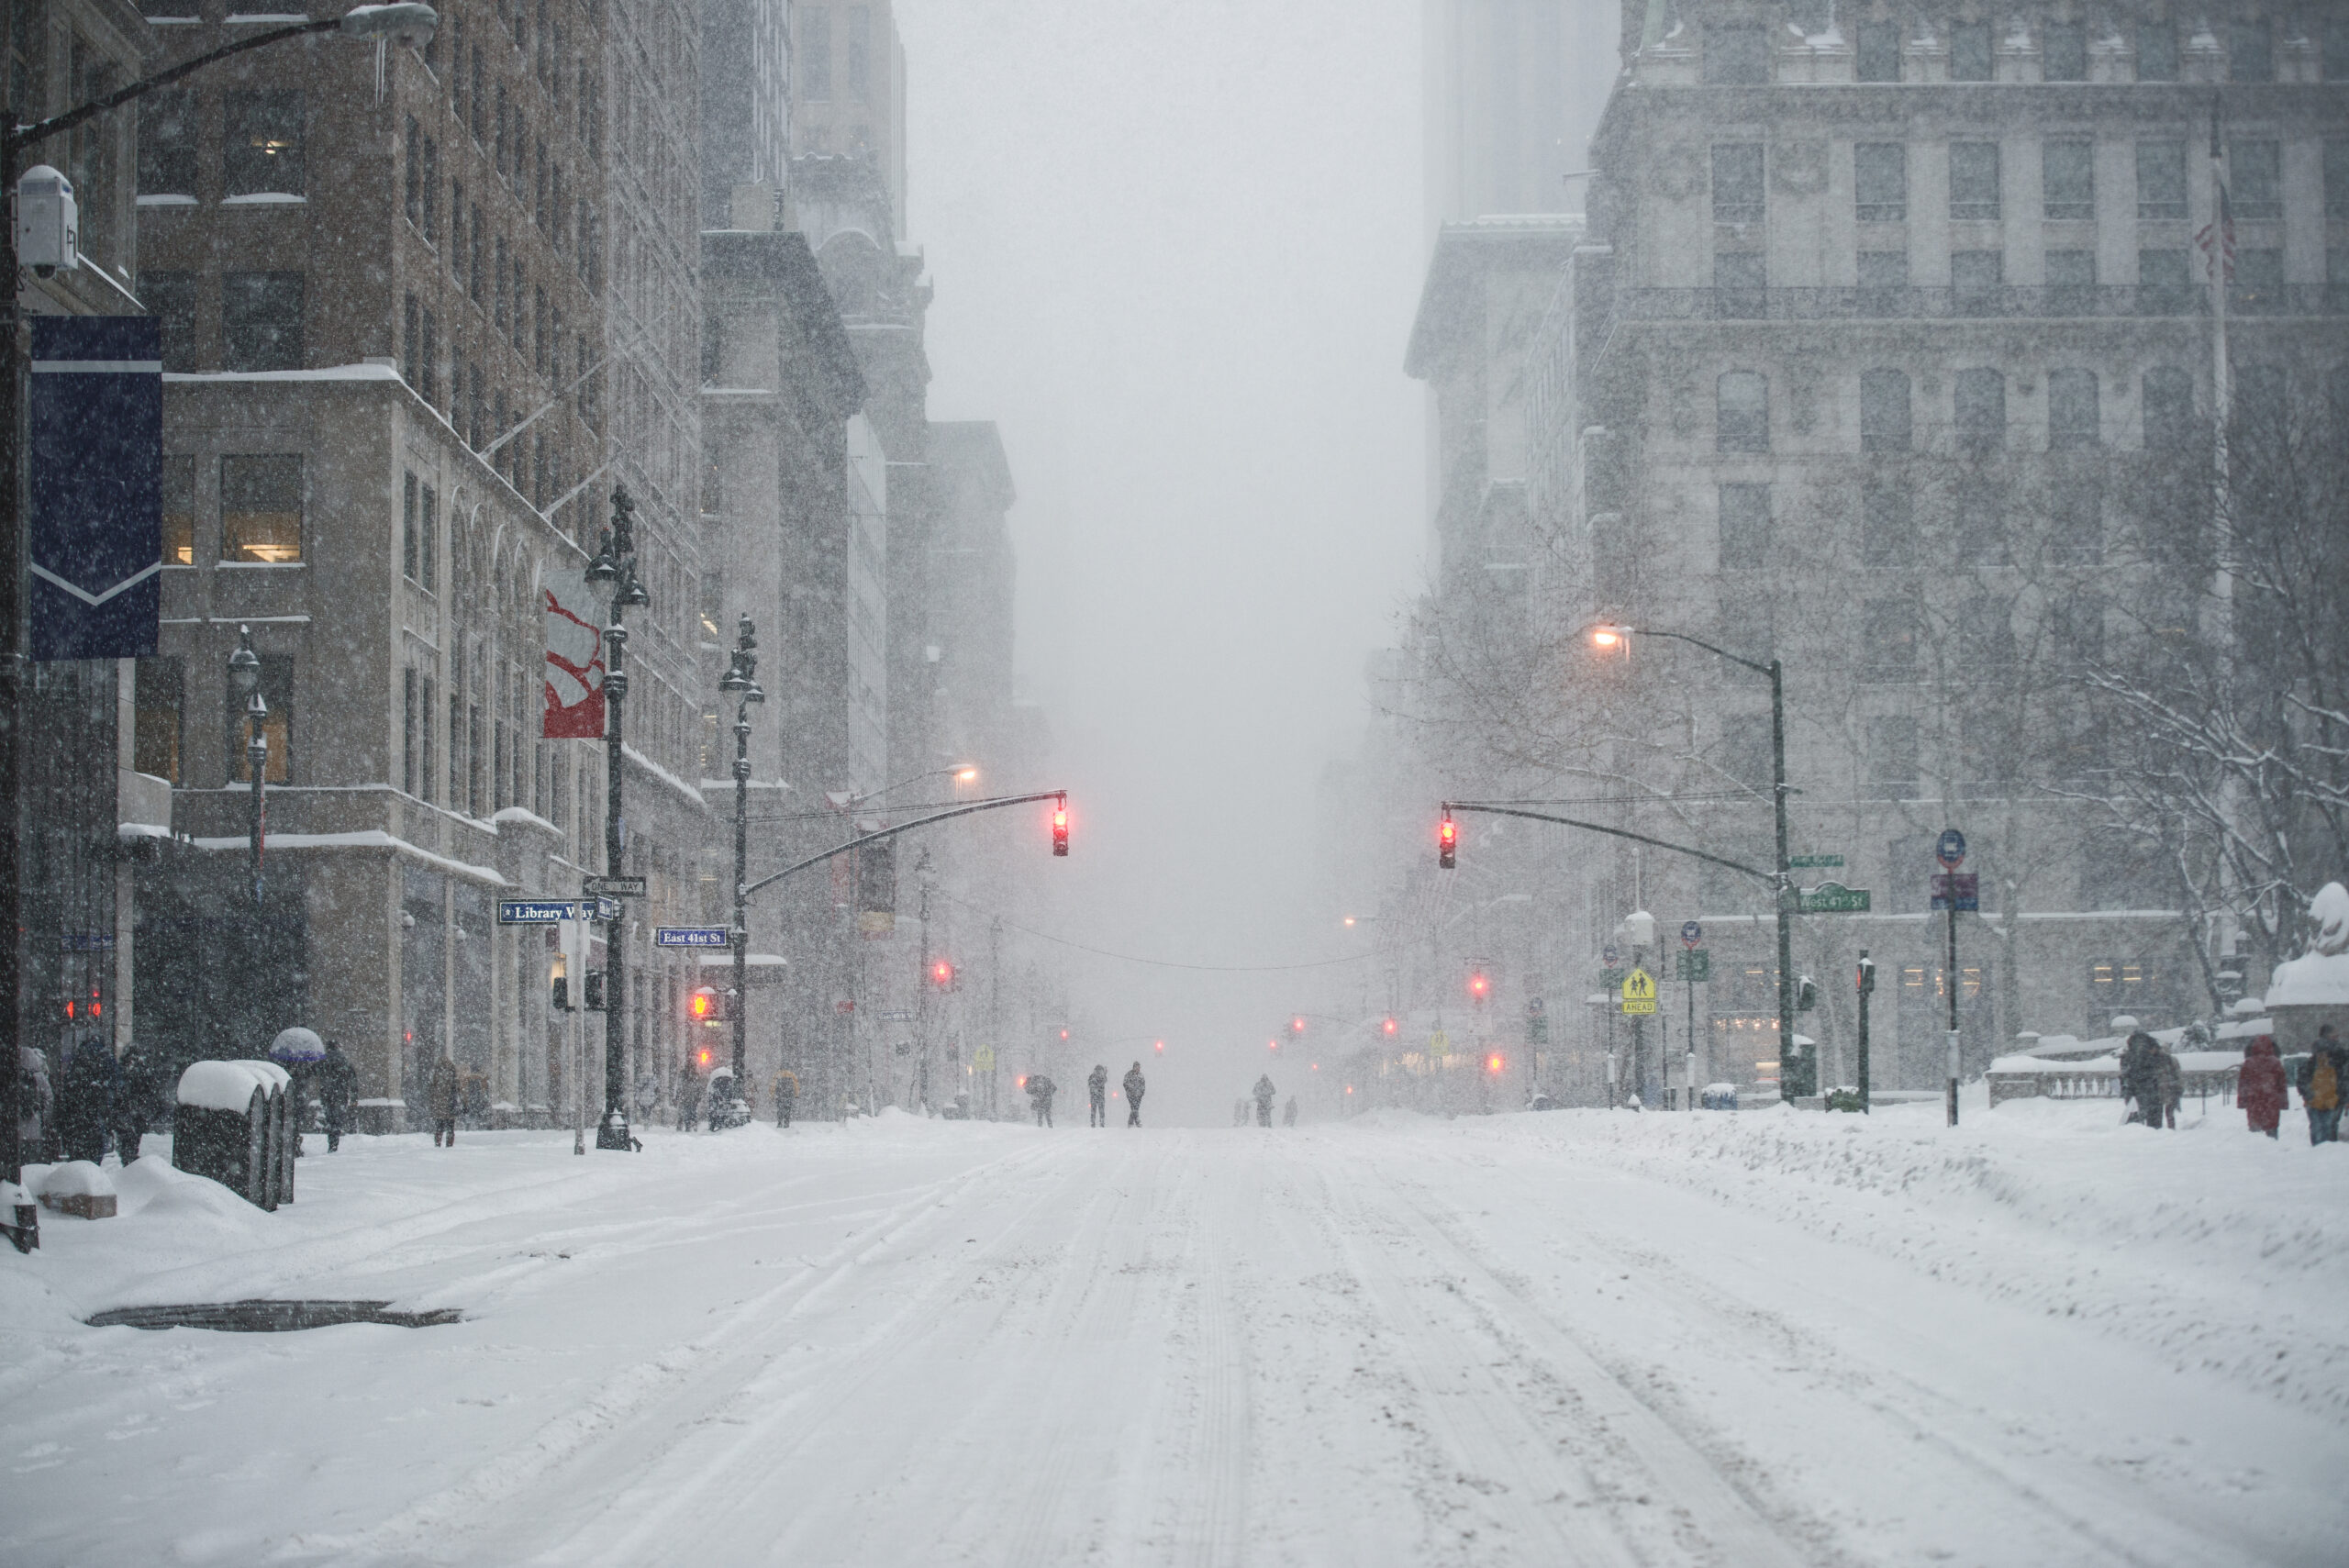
[(2319, 978), (74, 1178), (229, 1085)]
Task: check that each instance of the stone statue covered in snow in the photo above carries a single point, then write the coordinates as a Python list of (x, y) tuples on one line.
[(2312, 990)]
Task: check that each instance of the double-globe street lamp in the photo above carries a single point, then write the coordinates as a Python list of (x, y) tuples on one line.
[(244, 675), (1794, 1070), (611, 577), (371, 24)]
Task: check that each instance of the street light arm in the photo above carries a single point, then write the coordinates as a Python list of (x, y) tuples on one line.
[(874, 838), (1695, 641), (1453, 805), (23, 136)]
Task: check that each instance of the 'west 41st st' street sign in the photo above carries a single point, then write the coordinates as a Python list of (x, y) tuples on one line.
[(1832, 898)]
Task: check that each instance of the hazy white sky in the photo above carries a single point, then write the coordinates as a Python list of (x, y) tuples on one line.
[(1176, 250)]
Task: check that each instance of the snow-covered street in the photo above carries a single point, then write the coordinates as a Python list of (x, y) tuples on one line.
[(1573, 1338)]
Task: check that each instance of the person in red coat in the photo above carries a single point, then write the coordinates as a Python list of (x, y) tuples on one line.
[(2259, 1086)]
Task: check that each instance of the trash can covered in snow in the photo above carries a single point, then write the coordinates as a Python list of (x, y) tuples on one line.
[(235, 1126)]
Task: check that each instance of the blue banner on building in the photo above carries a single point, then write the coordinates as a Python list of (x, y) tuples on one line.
[(93, 465)]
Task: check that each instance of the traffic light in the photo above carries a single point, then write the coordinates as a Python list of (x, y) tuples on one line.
[(1297, 1026), (1867, 975), (561, 1000), (1492, 1063), (1393, 1027), (1060, 829), (1480, 987), (941, 974), (1805, 994), (1447, 842), (708, 1005), (594, 990)]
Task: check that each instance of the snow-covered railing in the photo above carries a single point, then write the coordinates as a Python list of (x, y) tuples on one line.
[(2202, 1074)]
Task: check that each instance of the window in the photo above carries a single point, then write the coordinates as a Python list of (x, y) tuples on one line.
[(1884, 411), (2261, 417), (2258, 283), (2067, 55), (856, 22), (1887, 536), (1741, 282), (1892, 757), (1737, 182), (1969, 52), (1981, 537), (431, 192), (1880, 182), (1736, 57), (2071, 269), (2157, 51), (2067, 173), (261, 151), (1987, 747), (2164, 269), (411, 540), (413, 186), (1986, 633), (261, 508), (1879, 51), (167, 143), (1744, 527), (1883, 269), (261, 321), (2336, 180), (170, 297), (2336, 47), (411, 331), (2073, 419), (1976, 271), (276, 689), (1748, 620), (2251, 55), (2076, 625), (410, 728), (2161, 180), (2075, 522), (430, 388), (179, 511), (2168, 407), (2254, 179), (158, 717), (1888, 638), (426, 711), (1974, 180), (1746, 750), (1742, 412), (814, 53), (1980, 404)]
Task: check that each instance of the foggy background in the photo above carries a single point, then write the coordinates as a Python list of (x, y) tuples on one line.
[(1177, 250)]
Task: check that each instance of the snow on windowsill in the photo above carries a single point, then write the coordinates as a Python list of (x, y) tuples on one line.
[(166, 201), (266, 198), (329, 373), (524, 817)]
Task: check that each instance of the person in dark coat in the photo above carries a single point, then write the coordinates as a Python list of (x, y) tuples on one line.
[(2141, 1077), (786, 1096), (36, 1105), (2323, 1083), (1288, 1112), (443, 1099), (1133, 1083), (135, 1101), (1264, 1093), (688, 1096), (2259, 1086), (1040, 1091), (338, 1094), (1096, 1086), (2172, 1086), (85, 1100)]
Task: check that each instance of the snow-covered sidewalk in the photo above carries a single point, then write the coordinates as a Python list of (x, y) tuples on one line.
[(1574, 1336)]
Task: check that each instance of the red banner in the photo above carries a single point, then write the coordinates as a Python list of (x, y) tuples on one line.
[(574, 659)]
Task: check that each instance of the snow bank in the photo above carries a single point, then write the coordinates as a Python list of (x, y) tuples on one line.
[(2319, 978), (74, 1178), (229, 1085)]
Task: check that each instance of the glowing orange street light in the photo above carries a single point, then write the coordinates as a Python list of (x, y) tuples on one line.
[(1492, 1063), (1608, 636), (966, 776)]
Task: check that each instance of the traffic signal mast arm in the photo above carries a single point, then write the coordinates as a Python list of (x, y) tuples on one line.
[(1494, 809), (1060, 795)]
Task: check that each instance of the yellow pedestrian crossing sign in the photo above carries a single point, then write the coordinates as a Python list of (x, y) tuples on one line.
[(984, 1059), (1638, 992)]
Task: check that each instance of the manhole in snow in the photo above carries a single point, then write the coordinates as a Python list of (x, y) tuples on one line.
[(269, 1316)]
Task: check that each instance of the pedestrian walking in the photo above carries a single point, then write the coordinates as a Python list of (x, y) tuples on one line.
[(1288, 1112), (688, 1096), (1096, 1086), (2259, 1086), (442, 1096), (786, 1096), (133, 1101), (1264, 1093), (1040, 1091), (86, 1099), (2141, 1078), (338, 1094), (2323, 1079), (36, 1105), (2172, 1079), (1133, 1083)]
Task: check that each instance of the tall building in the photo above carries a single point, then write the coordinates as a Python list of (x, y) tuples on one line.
[(1511, 92), (1889, 353), (850, 101)]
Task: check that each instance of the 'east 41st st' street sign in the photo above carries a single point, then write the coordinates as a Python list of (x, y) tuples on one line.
[(1832, 898)]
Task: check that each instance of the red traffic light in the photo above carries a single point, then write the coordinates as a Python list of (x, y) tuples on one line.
[(1447, 842), (1392, 1027), (1297, 1026), (1060, 829), (1479, 986), (941, 974)]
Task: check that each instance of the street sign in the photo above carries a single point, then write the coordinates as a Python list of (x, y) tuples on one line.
[(614, 886), (1816, 863), (536, 911), (1693, 965), (1440, 1044), (1610, 977), (1638, 992), (601, 908), (1950, 848), (1691, 934), (1965, 885), (1832, 898), (1609, 955), (691, 937), (984, 1059)]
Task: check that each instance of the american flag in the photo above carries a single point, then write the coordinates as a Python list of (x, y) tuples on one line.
[(2217, 240)]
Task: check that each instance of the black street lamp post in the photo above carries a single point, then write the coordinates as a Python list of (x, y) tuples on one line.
[(611, 576), (373, 24), (745, 691), (244, 674)]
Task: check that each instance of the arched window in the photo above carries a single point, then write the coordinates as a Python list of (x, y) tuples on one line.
[(1742, 412)]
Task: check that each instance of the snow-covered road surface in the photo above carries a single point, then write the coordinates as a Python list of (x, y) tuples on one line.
[(1560, 1338)]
